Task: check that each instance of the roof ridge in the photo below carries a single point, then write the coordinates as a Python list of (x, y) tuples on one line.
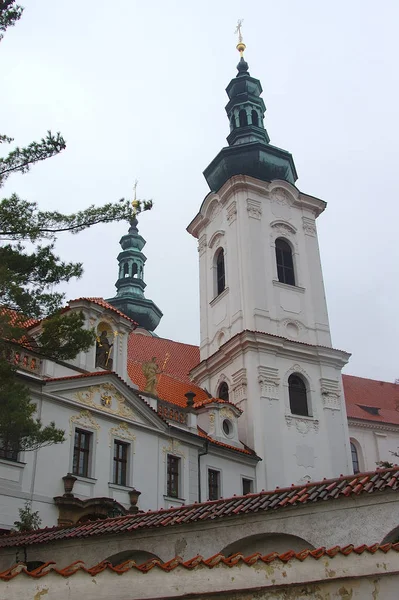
[(196, 561), (328, 489)]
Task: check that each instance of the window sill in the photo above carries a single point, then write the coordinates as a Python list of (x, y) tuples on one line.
[(120, 488), (287, 286), (174, 499), (219, 297), (90, 480), (12, 463)]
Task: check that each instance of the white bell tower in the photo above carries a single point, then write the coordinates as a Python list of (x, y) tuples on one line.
[(265, 337)]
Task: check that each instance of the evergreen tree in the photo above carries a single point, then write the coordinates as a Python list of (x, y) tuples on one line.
[(27, 277)]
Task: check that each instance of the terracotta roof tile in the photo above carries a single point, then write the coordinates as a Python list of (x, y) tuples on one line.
[(371, 393), (345, 486), (104, 304), (195, 562), (176, 359)]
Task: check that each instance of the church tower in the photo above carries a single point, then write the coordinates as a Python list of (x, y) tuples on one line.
[(130, 285), (265, 336)]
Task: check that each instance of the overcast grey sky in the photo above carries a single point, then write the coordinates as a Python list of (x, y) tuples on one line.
[(137, 90)]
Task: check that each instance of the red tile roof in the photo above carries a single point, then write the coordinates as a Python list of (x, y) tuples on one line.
[(104, 304), (329, 489), (371, 393), (197, 561), (176, 361), (175, 358)]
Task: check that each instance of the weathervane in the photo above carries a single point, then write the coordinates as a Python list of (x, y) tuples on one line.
[(240, 46)]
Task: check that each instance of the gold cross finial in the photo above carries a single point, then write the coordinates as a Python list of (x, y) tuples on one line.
[(139, 205), (240, 46)]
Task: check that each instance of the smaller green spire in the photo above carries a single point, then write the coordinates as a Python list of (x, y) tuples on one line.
[(130, 285)]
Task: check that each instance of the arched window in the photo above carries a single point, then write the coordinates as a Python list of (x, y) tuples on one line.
[(134, 270), (355, 458), (126, 270), (243, 118), (285, 264), (223, 392), (255, 118), (220, 272), (298, 396)]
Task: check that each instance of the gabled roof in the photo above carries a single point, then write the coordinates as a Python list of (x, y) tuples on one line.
[(196, 561), (370, 393), (298, 495)]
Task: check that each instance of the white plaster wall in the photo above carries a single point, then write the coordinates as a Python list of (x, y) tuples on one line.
[(374, 443), (245, 221), (293, 449), (231, 474), (355, 577)]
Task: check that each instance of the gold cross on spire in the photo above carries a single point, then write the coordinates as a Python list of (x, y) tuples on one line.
[(240, 46), (139, 205)]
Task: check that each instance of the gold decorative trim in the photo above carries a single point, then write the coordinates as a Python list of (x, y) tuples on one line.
[(84, 419), (123, 432), (174, 447)]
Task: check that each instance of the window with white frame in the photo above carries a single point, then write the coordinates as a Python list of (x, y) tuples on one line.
[(120, 462), (82, 449), (213, 484), (173, 471)]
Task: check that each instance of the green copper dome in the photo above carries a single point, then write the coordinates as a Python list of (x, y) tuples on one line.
[(249, 151), (130, 285)]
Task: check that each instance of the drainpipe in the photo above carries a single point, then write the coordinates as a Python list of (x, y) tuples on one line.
[(202, 453)]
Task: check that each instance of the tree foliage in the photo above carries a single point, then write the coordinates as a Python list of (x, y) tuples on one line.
[(29, 269), (29, 520)]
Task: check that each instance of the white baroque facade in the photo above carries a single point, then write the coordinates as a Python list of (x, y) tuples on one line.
[(258, 331)]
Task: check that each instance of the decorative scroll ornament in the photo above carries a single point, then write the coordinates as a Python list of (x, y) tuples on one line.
[(239, 386), (202, 245), (85, 419), (109, 399), (226, 413), (302, 425), (309, 226), (231, 213), (280, 196), (122, 432), (330, 394), (254, 208), (269, 381), (173, 447)]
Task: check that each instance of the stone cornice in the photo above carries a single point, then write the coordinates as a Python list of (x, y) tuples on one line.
[(280, 346), (377, 426), (245, 183)]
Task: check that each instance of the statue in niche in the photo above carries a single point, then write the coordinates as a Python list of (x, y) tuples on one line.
[(151, 371), (103, 352)]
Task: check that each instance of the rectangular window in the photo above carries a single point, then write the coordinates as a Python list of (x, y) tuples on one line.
[(121, 450), (81, 453), (247, 486), (173, 475), (213, 484)]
